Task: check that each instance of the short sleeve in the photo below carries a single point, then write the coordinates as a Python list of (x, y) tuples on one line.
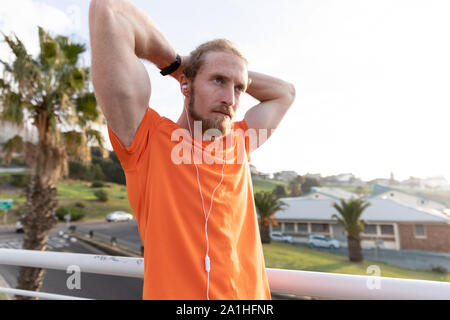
[(242, 132), (129, 157)]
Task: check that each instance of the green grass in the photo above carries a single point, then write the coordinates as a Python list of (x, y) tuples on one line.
[(71, 191), (294, 257), (267, 185)]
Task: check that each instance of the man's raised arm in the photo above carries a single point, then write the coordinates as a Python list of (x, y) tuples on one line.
[(275, 96), (120, 35)]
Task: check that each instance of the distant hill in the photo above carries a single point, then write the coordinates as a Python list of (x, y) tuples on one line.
[(267, 185)]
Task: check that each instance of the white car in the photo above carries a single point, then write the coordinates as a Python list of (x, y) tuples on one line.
[(323, 241), (119, 216), (278, 236)]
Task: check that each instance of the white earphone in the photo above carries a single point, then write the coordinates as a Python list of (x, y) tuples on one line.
[(207, 260)]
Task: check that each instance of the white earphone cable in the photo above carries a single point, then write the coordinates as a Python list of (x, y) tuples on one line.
[(207, 259)]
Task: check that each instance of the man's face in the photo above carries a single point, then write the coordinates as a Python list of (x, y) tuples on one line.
[(217, 89)]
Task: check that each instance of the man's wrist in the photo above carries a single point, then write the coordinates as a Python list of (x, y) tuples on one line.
[(174, 66)]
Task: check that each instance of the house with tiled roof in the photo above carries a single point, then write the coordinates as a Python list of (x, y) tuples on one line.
[(330, 193), (407, 198), (387, 224)]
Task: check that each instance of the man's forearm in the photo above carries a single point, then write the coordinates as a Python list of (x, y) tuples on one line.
[(148, 40), (264, 87)]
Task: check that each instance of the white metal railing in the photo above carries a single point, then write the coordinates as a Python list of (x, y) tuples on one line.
[(301, 283)]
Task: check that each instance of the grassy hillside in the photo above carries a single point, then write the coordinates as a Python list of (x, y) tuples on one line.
[(295, 257), (70, 192), (267, 185)]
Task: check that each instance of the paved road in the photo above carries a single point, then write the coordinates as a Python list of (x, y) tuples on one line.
[(126, 233), (93, 286)]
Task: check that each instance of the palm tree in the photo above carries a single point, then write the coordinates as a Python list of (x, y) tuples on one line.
[(267, 204), (350, 218), (53, 91), (295, 186), (279, 191)]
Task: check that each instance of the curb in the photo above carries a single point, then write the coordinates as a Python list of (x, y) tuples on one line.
[(107, 248)]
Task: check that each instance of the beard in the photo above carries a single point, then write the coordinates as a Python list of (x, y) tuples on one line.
[(221, 124)]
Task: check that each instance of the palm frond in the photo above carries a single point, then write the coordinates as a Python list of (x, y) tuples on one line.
[(350, 212), (13, 145), (268, 204)]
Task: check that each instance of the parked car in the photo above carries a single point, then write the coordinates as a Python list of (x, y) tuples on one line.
[(118, 216), (19, 227), (279, 236), (323, 241)]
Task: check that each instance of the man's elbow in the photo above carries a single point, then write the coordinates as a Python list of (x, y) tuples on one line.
[(97, 8), (290, 93)]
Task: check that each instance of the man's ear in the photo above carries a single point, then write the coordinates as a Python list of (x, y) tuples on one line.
[(184, 85)]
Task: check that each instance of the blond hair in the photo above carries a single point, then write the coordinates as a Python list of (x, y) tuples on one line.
[(197, 57)]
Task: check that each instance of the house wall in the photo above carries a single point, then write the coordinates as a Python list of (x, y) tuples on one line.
[(337, 231), (437, 237), (411, 200)]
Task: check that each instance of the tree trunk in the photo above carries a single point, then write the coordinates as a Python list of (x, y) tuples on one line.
[(37, 221), (265, 233), (354, 248)]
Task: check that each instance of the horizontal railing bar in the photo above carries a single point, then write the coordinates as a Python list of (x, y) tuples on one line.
[(354, 287), (41, 295), (100, 264), (302, 283)]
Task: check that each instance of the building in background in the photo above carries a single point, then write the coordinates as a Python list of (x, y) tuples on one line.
[(285, 175), (415, 200), (388, 224), (330, 193)]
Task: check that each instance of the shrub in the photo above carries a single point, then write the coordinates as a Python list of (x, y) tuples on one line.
[(18, 161), (20, 180), (97, 184), (439, 269), (101, 195), (96, 172), (76, 213), (5, 180), (78, 171), (80, 205)]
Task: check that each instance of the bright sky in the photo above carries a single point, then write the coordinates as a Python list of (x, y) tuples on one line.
[(372, 77)]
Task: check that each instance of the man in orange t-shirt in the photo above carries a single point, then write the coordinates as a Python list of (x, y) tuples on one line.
[(188, 182)]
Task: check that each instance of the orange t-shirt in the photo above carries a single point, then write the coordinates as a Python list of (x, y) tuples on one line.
[(164, 196)]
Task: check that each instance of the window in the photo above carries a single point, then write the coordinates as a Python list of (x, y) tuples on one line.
[(419, 231), (289, 227), (320, 227), (302, 227), (370, 228), (277, 228), (387, 229)]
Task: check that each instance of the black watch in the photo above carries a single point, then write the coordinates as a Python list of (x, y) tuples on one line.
[(173, 67)]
